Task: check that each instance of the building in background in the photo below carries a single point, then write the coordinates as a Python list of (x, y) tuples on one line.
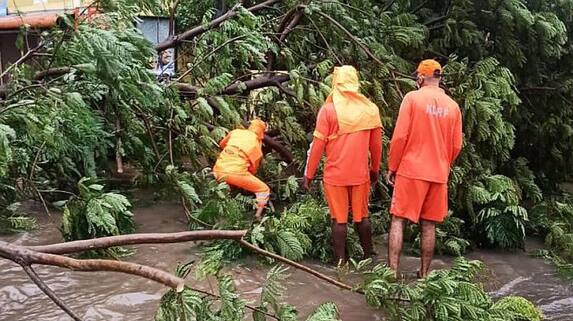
[(156, 30), (39, 15), (24, 6)]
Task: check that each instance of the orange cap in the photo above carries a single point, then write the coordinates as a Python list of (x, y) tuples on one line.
[(428, 68), (258, 127)]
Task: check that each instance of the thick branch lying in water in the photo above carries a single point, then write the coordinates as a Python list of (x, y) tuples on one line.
[(26, 257), (132, 239)]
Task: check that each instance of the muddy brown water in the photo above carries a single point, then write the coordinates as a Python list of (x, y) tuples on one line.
[(114, 296)]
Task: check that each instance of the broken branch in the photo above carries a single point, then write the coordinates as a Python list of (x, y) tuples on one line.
[(299, 266), (140, 238), (49, 293), (194, 32), (24, 256)]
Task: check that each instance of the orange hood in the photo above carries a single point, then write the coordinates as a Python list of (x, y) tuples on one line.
[(258, 127), (354, 111)]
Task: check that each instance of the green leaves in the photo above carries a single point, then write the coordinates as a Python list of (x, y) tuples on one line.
[(96, 214), (520, 308), (6, 133), (325, 312)]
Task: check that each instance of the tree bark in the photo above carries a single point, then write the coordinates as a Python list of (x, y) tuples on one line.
[(53, 72), (132, 239), (24, 256), (239, 87)]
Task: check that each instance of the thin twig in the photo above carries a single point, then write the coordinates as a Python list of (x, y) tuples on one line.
[(326, 42), (56, 191), (23, 255), (352, 37), (22, 59), (296, 265), (43, 201), (35, 162), (250, 307), (188, 71), (170, 143), (44, 287), (191, 216), (388, 5)]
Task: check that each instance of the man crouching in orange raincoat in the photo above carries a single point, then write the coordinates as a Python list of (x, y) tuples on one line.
[(238, 162), (347, 127)]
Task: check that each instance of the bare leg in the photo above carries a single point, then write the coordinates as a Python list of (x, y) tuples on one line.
[(339, 242), (428, 244), (395, 241), (364, 231), (259, 213)]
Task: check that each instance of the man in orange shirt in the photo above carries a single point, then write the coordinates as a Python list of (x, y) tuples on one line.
[(347, 127), (238, 162), (426, 141)]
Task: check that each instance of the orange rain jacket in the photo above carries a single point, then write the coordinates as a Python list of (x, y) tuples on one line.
[(240, 159), (242, 150), (428, 136)]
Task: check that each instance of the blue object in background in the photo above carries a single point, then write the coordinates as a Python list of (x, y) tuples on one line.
[(3, 7)]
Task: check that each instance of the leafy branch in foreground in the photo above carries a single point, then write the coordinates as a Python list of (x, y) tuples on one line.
[(93, 214), (445, 295), (226, 305)]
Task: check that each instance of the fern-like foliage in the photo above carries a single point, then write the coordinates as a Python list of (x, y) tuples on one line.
[(94, 213), (522, 308), (325, 312), (444, 295)]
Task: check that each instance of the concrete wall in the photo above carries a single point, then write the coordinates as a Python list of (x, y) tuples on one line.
[(43, 5)]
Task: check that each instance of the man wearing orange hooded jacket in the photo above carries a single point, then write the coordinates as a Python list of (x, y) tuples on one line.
[(348, 127), (426, 141), (238, 162)]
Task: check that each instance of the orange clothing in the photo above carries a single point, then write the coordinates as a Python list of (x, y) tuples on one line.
[(340, 197), (354, 111), (415, 199), (248, 182), (346, 155), (241, 156), (242, 151), (428, 136)]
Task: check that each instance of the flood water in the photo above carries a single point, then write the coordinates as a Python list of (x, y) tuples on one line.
[(114, 296)]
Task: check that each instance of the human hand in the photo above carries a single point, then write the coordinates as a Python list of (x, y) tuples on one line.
[(391, 177)]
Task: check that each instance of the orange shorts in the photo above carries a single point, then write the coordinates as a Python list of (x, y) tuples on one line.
[(248, 182), (339, 199), (416, 200)]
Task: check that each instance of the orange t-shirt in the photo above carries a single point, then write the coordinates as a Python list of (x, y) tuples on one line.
[(428, 136), (346, 155)]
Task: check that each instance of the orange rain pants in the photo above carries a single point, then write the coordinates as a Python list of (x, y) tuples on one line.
[(342, 198), (248, 182), (240, 159)]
